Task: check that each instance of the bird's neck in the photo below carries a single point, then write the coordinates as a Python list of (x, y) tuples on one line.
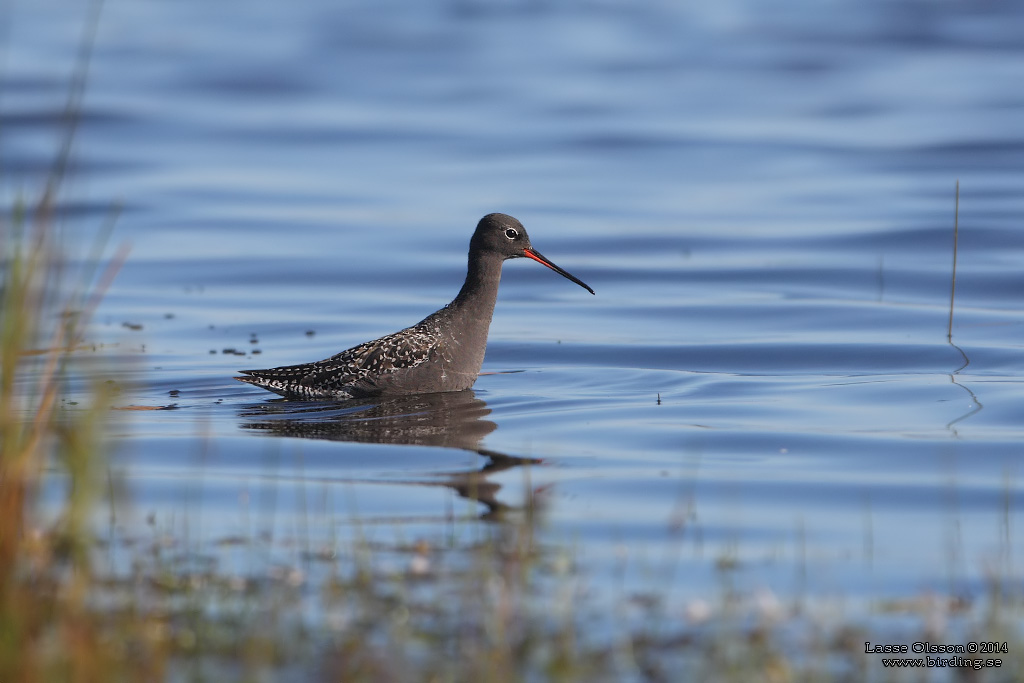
[(467, 319), (480, 290), (472, 309)]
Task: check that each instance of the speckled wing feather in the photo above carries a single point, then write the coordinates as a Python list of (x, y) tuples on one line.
[(352, 373)]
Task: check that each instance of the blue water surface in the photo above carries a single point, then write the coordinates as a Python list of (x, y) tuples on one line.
[(762, 194)]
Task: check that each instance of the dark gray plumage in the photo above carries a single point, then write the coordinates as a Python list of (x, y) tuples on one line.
[(442, 352)]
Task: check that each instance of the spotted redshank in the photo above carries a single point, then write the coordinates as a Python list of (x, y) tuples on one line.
[(442, 352)]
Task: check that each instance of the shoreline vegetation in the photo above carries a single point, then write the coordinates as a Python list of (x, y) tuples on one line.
[(80, 600)]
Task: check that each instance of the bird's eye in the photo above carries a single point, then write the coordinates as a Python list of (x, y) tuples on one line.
[(512, 233)]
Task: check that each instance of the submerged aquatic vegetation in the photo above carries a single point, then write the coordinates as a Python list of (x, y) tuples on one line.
[(505, 608)]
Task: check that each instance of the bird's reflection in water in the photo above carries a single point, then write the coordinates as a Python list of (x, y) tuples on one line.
[(447, 420)]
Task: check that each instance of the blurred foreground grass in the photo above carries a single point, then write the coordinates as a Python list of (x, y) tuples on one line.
[(45, 571)]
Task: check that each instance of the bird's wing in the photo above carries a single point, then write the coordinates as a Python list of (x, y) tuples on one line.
[(353, 372)]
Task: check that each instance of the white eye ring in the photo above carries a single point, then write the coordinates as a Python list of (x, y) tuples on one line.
[(511, 233)]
